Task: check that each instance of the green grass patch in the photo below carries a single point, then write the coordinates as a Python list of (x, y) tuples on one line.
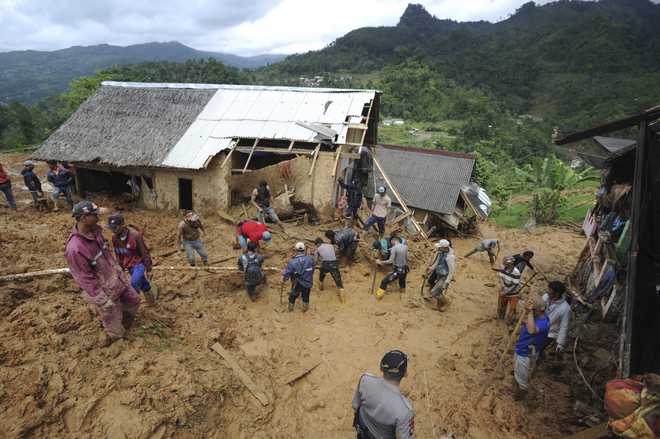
[(516, 215)]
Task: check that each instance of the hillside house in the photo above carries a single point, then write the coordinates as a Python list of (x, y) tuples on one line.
[(206, 146)]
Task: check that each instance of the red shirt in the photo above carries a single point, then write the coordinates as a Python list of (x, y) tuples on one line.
[(132, 250), (4, 178), (252, 230)]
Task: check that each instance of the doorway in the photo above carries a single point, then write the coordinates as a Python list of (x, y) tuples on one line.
[(185, 194)]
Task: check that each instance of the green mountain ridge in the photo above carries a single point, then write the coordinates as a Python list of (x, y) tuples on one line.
[(573, 62), (30, 75)]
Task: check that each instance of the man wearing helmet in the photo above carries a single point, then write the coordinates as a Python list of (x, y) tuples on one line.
[(300, 270), (381, 207), (508, 298), (101, 279), (441, 271), (380, 410)]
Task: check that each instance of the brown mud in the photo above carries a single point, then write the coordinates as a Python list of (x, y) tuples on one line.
[(163, 381)]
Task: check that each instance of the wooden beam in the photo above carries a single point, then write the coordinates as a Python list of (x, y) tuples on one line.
[(254, 145), (334, 168), (399, 199), (224, 162), (316, 156), (364, 133), (283, 151), (242, 375), (401, 218), (291, 145)]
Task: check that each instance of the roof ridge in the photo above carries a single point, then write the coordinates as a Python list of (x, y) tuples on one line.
[(203, 86)]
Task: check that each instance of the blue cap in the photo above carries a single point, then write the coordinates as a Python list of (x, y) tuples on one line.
[(266, 236)]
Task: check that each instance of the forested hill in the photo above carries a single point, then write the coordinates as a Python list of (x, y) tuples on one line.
[(567, 60), (29, 75)]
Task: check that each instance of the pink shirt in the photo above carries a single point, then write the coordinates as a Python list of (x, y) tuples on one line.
[(94, 268)]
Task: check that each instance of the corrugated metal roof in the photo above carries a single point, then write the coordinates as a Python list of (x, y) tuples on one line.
[(426, 179), (231, 87), (265, 113), (615, 145)]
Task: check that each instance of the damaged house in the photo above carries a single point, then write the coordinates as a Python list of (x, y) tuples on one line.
[(435, 186), (205, 146)]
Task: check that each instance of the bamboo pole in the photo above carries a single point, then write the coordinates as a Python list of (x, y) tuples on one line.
[(254, 145), (316, 156), (231, 151), (50, 272), (334, 168)]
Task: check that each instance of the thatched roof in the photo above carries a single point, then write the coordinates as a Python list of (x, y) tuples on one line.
[(126, 126)]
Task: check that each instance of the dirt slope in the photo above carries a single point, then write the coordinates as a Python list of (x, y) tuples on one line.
[(164, 381)]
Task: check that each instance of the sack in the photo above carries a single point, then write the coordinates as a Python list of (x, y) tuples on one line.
[(622, 397), (253, 273)]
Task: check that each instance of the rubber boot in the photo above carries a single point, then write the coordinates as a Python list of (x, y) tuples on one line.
[(342, 295), (206, 263), (380, 293), (149, 297), (305, 307), (290, 307), (321, 285)]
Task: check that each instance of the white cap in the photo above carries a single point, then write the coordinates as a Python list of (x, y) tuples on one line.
[(443, 243), (300, 246)]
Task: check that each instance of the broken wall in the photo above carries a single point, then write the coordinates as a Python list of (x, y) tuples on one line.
[(317, 189), (210, 187)]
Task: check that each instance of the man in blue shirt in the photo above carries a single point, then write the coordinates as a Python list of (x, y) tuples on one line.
[(62, 180), (300, 270), (532, 336)]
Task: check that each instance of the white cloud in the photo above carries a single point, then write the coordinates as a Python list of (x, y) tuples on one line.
[(235, 26)]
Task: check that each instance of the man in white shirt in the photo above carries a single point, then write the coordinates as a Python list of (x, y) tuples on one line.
[(559, 313), (381, 207)]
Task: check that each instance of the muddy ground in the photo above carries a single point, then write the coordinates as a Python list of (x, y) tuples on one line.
[(163, 381)]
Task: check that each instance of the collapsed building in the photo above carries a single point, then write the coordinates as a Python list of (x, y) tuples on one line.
[(619, 268), (205, 146), (434, 184)]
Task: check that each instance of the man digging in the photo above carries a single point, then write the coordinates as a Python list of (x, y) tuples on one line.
[(98, 274), (325, 254), (530, 342)]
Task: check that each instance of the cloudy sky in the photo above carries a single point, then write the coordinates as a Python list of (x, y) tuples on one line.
[(243, 27)]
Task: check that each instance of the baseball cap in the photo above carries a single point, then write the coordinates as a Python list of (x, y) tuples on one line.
[(115, 221), (394, 363), (443, 243), (266, 236), (84, 207), (381, 189), (300, 246), (28, 163)]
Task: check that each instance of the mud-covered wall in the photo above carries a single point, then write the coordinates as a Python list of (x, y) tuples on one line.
[(317, 189), (209, 186)]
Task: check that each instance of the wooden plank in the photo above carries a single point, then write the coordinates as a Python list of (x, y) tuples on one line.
[(334, 168), (254, 145), (364, 133), (282, 151), (598, 432), (242, 375), (401, 218), (399, 199), (316, 156), (231, 151), (291, 145)]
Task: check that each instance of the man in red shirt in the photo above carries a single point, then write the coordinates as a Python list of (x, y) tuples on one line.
[(5, 188), (251, 231), (133, 255)]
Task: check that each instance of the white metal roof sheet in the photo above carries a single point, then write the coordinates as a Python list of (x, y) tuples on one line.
[(263, 112)]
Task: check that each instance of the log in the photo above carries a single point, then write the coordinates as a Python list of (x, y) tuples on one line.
[(43, 273), (242, 375), (33, 274)]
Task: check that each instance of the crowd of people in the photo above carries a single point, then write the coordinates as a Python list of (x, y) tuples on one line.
[(113, 275), (60, 175)]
